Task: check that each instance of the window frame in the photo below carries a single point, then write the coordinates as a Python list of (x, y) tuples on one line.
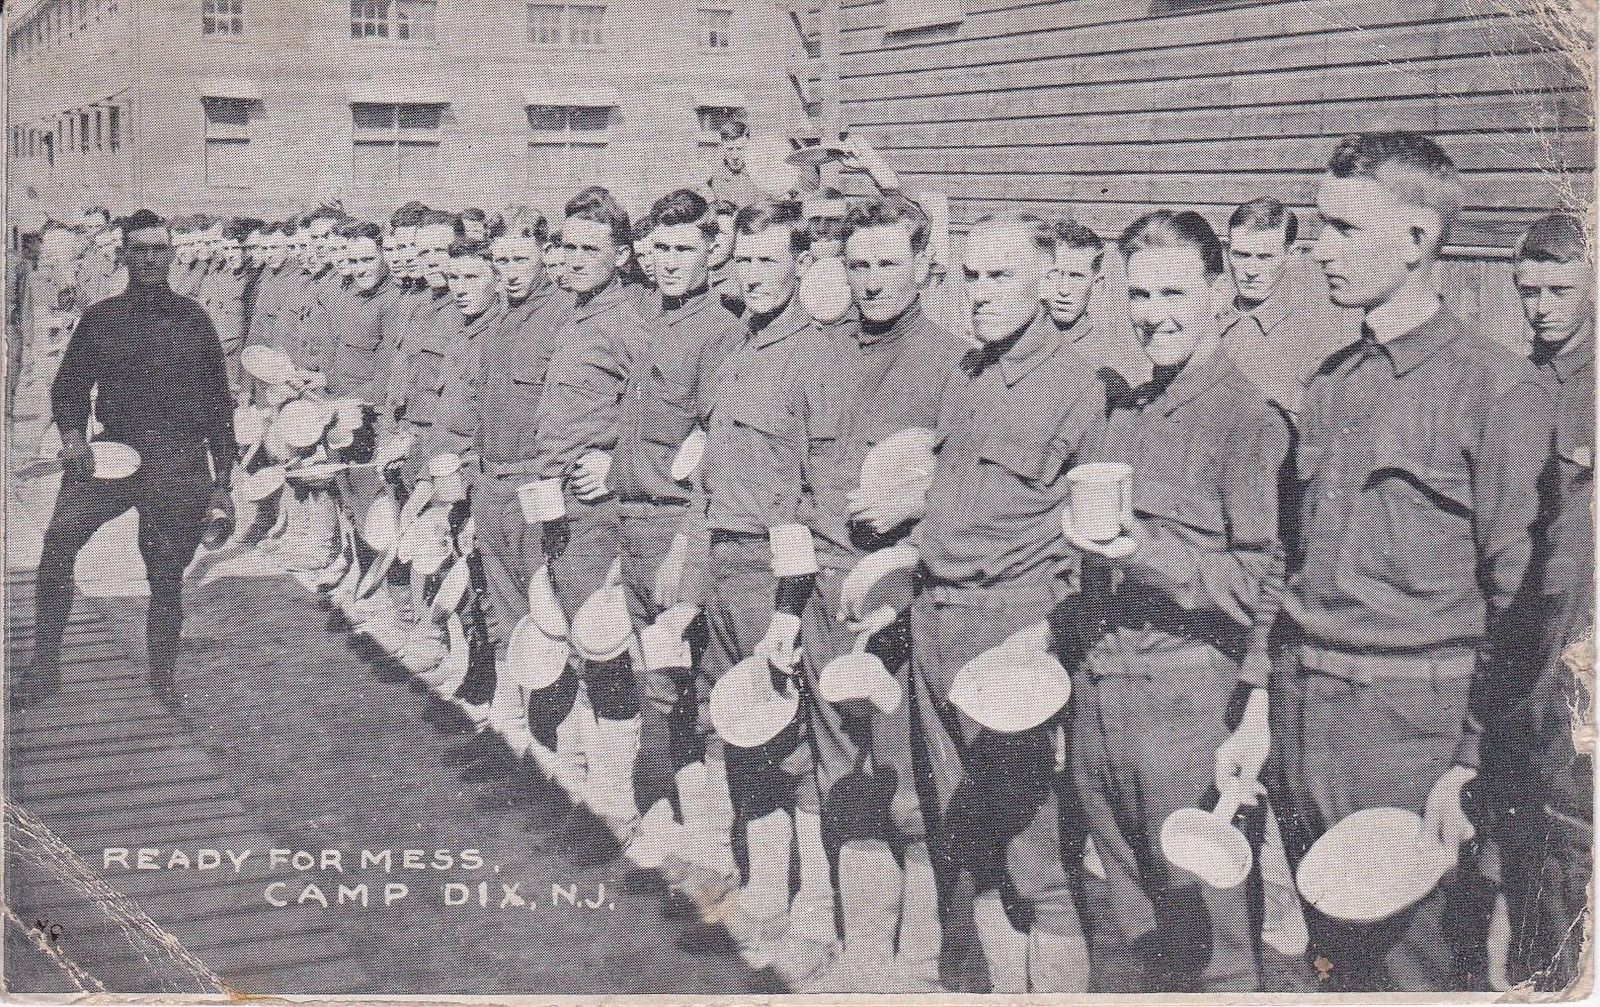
[(393, 137), (238, 137), (706, 33), (710, 126), (563, 10), (387, 20), (222, 18)]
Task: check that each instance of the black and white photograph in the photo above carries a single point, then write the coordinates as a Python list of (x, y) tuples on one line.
[(793, 501)]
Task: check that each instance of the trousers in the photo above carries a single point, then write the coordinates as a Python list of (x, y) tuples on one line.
[(171, 491)]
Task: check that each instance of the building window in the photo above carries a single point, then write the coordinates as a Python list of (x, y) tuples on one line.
[(566, 24), (566, 145), (228, 160), (222, 17), (395, 143), (399, 20), (83, 132), (712, 118), (715, 27), (113, 128)]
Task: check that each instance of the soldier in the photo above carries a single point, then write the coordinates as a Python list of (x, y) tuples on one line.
[(577, 430), (267, 315), (515, 354), (1177, 622), (1277, 332), (181, 426), (222, 294), (669, 375), (732, 181), (1420, 447), (861, 383), (1071, 284), (101, 274), (187, 266), (1537, 790), (1021, 408)]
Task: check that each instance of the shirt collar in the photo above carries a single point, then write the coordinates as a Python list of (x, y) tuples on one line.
[(1408, 349), (602, 299), (1038, 342), (473, 326), (791, 319), (691, 306), (908, 321), (1194, 379), (1278, 306), (1575, 357), (1390, 321)]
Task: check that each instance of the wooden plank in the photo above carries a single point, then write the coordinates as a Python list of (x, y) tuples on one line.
[(1508, 114), (1118, 61), (1498, 190), (129, 775), (91, 837), (1471, 151), (45, 724), (154, 800), (144, 739), (94, 763), (1514, 72)]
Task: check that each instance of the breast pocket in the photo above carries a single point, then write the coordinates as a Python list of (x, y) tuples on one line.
[(1021, 454), (1419, 525), (1191, 506)]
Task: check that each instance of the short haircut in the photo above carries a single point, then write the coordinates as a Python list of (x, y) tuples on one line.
[(474, 213), (438, 218), (598, 205), (471, 248), (407, 215), (685, 206), (1038, 230), (364, 230), (1169, 229), (1409, 165), (1071, 234), (1266, 214), (733, 129), (1558, 238), (725, 208), (239, 228), (525, 222), (888, 211), (554, 238), (332, 213), (765, 214), (98, 211), (289, 228), (644, 225), (140, 220)]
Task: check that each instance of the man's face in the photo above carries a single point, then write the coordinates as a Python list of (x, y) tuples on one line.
[(365, 262), (1368, 245), (592, 255), (274, 250), (232, 255), (471, 283), (682, 256), (1172, 303), (324, 242), (1557, 297), (433, 253), (148, 254), (341, 257), (768, 270), (884, 273), (722, 247), (1005, 271), (555, 263), (388, 247), (476, 230), (305, 251), (253, 256), (1259, 261), (404, 263), (107, 242), (520, 263), (200, 247), (1070, 283), (183, 247), (733, 153)]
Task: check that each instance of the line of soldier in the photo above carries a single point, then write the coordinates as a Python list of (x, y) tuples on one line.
[(721, 493)]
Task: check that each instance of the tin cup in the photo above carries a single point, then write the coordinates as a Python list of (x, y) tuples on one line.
[(1102, 499), (541, 500)]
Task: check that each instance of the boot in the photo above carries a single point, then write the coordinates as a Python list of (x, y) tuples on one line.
[(571, 766), (1057, 963), (1005, 948), (508, 714), (871, 888), (702, 864), (423, 649), (759, 914), (611, 795), (921, 936), (1283, 923), (811, 916)]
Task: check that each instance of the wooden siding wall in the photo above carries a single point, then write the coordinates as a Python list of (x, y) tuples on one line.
[(1104, 110)]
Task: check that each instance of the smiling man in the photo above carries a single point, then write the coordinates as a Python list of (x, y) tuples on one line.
[(181, 426), (1172, 707), (1420, 449)]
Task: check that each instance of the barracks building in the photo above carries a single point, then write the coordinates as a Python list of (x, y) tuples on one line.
[(263, 106)]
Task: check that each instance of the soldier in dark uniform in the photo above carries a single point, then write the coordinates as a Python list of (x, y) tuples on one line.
[(181, 425)]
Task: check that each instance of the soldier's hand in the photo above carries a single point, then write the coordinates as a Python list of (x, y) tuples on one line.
[(76, 458), (1241, 756), (589, 478), (1444, 822), (779, 646)]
